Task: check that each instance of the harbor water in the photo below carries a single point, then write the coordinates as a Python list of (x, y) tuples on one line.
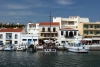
[(40, 59)]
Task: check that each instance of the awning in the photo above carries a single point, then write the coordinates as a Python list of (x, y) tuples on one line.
[(95, 38), (89, 39)]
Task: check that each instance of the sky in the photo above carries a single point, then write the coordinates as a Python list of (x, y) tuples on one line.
[(24, 11)]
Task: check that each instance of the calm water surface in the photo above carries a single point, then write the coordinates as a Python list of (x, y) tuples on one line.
[(40, 59)]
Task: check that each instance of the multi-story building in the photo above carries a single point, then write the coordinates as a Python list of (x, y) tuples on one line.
[(31, 34), (32, 28), (90, 31), (70, 22), (45, 32), (10, 36), (19, 36), (68, 27)]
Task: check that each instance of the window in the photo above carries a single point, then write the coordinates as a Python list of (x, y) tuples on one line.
[(71, 23), (1, 36), (34, 39), (85, 26), (97, 32), (95, 26), (91, 26), (43, 29), (74, 32), (98, 26), (48, 29), (52, 35), (48, 35), (44, 35), (56, 34), (54, 29), (61, 32), (10, 37), (41, 34), (24, 39), (16, 42), (91, 32), (86, 32), (16, 36), (30, 26)]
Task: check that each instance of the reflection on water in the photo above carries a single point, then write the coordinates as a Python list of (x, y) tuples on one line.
[(40, 59)]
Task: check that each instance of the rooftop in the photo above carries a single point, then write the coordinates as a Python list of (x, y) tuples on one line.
[(48, 24), (11, 30)]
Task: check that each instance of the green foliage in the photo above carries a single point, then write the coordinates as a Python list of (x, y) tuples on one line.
[(11, 25)]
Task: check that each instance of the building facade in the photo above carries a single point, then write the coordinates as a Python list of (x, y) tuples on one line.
[(30, 36), (10, 36), (90, 31), (71, 22), (69, 28), (32, 28), (46, 33)]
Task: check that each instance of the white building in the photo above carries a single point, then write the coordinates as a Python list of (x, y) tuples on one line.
[(17, 36), (32, 28), (71, 22), (29, 39), (68, 27), (31, 34), (11, 36)]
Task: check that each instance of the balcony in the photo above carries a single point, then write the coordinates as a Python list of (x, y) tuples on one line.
[(49, 32), (91, 28), (48, 37)]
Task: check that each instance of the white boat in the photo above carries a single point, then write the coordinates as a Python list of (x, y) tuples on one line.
[(7, 48), (49, 46), (1, 47), (76, 46), (21, 47)]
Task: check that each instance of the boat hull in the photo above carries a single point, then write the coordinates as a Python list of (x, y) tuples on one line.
[(49, 50), (78, 50), (7, 49)]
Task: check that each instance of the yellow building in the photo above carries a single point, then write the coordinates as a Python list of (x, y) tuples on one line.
[(90, 30)]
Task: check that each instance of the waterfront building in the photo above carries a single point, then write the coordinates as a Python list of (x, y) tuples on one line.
[(68, 28), (30, 36), (90, 31), (11, 35), (45, 33), (32, 28), (71, 22)]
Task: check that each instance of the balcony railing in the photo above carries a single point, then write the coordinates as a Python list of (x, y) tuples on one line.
[(49, 32)]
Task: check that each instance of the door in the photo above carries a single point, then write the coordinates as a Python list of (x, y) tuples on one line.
[(29, 41)]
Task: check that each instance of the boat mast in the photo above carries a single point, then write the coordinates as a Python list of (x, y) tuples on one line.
[(50, 25)]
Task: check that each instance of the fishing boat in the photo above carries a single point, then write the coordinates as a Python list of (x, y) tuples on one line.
[(76, 46), (32, 48), (7, 47), (49, 46)]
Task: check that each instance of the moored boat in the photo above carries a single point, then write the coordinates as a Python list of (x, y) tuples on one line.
[(76, 46), (49, 46)]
